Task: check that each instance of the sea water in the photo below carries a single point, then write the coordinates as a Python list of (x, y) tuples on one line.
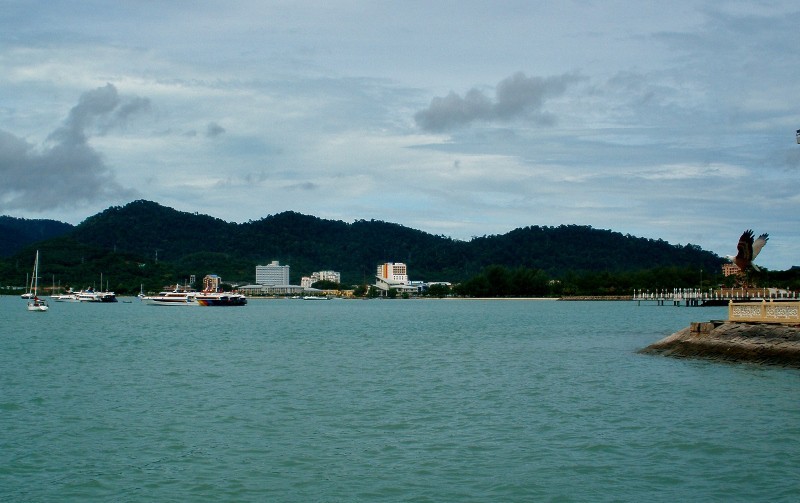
[(383, 400)]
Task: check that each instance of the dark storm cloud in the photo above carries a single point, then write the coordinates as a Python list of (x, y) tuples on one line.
[(67, 171), (214, 130), (102, 108), (516, 96), (129, 107)]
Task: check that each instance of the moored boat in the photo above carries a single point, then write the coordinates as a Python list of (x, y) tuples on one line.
[(68, 296), (177, 297), (221, 299), (36, 304), (90, 295)]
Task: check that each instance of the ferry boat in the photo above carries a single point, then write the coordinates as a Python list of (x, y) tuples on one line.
[(220, 299), (176, 297), (316, 297), (68, 296), (91, 296)]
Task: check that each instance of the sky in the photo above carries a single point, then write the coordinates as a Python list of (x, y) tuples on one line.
[(671, 121)]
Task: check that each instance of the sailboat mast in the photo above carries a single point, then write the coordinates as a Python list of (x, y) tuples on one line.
[(36, 274)]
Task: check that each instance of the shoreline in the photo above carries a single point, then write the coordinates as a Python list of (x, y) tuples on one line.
[(759, 343)]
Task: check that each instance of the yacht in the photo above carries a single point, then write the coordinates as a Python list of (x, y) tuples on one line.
[(90, 295), (68, 296), (176, 297)]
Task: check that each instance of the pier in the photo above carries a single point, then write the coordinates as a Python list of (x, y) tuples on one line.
[(694, 297)]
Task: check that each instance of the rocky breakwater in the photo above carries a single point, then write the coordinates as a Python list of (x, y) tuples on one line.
[(768, 343)]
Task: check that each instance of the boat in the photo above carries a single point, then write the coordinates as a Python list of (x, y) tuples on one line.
[(68, 296), (36, 304), (89, 295), (107, 295), (177, 297), (28, 294), (316, 297), (208, 298)]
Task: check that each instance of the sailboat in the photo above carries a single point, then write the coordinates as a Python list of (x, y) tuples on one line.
[(36, 304), (28, 294)]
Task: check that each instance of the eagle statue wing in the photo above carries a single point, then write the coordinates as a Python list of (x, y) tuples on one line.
[(745, 247), (759, 243)]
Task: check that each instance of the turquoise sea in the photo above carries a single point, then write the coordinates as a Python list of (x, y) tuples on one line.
[(383, 401)]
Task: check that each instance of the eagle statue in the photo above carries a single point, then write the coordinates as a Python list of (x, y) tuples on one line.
[(748, 249)]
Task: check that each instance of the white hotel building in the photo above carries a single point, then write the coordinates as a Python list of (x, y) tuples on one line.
[(272, 274), (307, 281), (393, 275)]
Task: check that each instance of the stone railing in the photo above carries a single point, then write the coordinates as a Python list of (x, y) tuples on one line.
[(764, 312)]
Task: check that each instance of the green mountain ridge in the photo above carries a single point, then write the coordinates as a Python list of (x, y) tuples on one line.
[(19, 232), (145, 242)]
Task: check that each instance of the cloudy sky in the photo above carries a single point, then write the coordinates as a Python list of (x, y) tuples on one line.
[(465, 118)]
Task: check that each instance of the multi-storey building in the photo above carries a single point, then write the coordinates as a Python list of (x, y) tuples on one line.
[(272, 274), (211, 283), (393, 275), (730, 269), (307, 281)]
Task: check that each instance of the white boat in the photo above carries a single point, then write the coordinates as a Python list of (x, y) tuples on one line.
[(90, 295), (177, 297), (28, 294), (68, 296), (36, 304)]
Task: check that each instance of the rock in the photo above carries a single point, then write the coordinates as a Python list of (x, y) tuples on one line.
[(773, 344)]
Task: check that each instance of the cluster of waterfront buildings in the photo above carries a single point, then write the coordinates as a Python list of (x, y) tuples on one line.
[(273, 279)]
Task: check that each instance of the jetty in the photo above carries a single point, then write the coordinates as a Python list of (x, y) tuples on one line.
[(693, 297), (766, 332)]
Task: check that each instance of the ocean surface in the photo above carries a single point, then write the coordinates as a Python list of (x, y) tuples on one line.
[(383, 401)]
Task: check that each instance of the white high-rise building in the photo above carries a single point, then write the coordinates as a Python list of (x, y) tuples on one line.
[(272, 274)]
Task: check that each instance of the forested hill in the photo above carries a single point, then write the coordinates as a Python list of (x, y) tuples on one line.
[(306, 243), (199, 244), (583, 248), (19, 232)]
